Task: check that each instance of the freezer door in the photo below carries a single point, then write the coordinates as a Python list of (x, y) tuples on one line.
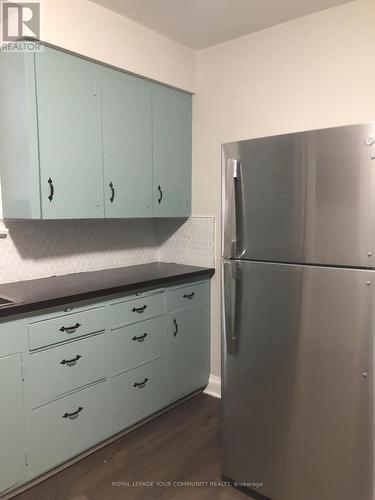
[(298, 381), (302, 198)]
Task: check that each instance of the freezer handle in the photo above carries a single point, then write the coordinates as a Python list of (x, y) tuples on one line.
[(229, 306), (231, 178)]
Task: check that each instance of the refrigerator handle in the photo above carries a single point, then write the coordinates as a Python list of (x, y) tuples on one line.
[(231, 176), (229, 306)]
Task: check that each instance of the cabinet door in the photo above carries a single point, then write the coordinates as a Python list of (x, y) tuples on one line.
[(172, 152), (70, 136), (127, 147), (12, 431), (189, 338)]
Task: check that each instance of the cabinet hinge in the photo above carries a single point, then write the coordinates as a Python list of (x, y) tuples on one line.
[(26, 458)]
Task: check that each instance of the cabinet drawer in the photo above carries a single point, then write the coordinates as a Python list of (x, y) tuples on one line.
[(137, 344), (66, 327), (65, 368), (188, 295), (139, 393), (131, 311), (68, 426)]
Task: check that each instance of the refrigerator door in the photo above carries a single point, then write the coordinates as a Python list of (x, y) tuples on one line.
[(302, 198), (298, 381)]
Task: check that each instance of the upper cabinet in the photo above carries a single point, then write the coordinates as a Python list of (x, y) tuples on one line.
[(172, 152), (127, 146), (70, 145), (81, 140)]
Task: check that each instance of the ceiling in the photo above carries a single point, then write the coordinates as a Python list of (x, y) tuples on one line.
[(202, 23)]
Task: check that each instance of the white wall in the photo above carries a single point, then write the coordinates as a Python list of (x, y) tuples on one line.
[(94, 31), (313, 72)]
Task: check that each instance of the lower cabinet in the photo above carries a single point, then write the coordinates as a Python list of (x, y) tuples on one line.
[(12, 427), (55, 372), (189, 342), (68, 426), (78, 375), (139, 393)]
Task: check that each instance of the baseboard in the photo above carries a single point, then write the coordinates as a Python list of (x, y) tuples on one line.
[(214, 387)]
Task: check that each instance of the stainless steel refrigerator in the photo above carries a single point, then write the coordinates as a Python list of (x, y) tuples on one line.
[(299, 314)]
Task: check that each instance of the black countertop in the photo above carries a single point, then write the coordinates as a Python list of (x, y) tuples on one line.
[(34, 295)]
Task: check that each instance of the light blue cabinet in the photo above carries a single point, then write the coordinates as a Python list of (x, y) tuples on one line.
[(69, 125), (189, 337), (19, 155), (127, 146), (189, 349), (12, 428), (72, 377), (81, 140), (138, 393), (172, 114), (66, 427)]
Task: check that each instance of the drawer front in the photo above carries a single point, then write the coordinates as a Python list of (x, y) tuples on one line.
[(139, 393), (68, 426), (66, 327), (131, 311), (188, 295), (134, 345), (62, 369)]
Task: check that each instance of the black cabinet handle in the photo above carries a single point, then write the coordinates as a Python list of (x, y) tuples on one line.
[(112, 191), (51, 189), (139, 309), (175, 327), (70, 362), (141, 338), (70, 329), (188, 295), (73, 415), (160, 195), (140, 384)]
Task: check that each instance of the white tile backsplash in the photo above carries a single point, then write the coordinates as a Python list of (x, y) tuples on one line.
[(190, 241), (36, 249)]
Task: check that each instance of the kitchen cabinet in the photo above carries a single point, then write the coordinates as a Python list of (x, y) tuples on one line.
[(189, 337), (69, 125), (139, 393), (81, 140), (172, 127), (189, 349), (84, 372), (12, 428), (127, 146), (65, 427)]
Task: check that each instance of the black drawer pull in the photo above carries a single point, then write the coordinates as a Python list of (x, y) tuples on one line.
[(70, 329), (160, 194), (73, 415), (188, 295), (70, 362), (51, 189), (112, 191), (139, 309), (176, 327), (141, 338), (140, 384)]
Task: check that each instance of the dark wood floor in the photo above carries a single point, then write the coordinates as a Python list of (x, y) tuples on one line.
[(181, 445)]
